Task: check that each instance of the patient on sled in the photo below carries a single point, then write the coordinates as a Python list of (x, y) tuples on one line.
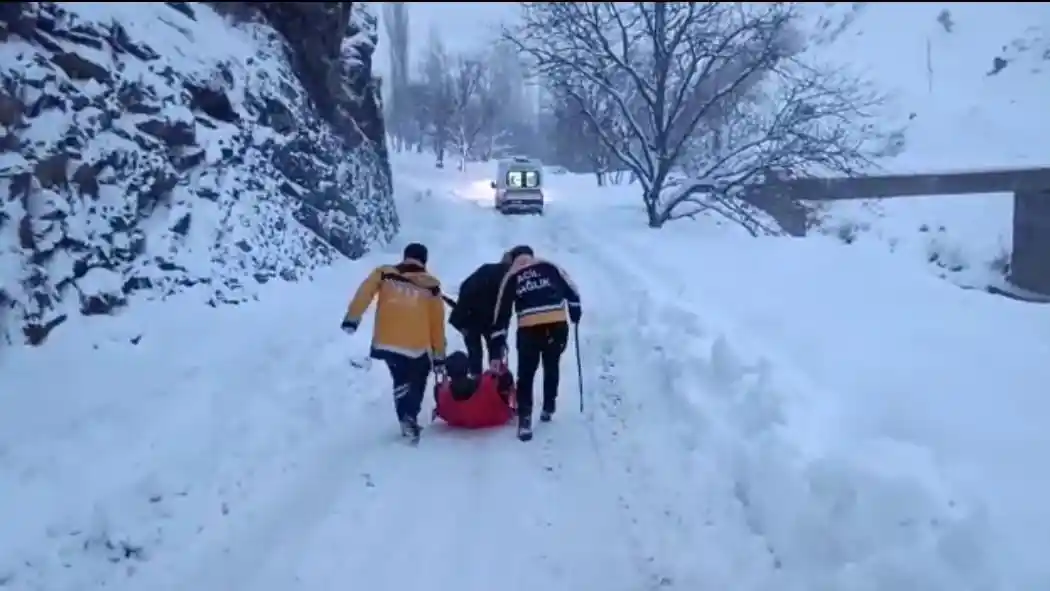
[(473, 401)]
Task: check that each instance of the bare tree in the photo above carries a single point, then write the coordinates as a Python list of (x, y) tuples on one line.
[(439, 109), (572, 139), (685, 78), (395, 21), (463, 104), (601, 126), (472, 106), (504, 98)]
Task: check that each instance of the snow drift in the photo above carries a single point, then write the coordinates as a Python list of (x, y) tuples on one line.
[(153, 148)]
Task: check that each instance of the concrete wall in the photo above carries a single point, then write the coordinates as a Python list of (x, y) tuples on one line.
[(1030, 260)]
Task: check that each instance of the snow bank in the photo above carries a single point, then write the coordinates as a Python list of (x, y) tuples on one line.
[(964, 238), (889, 420)]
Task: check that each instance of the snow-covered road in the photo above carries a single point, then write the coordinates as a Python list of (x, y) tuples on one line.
[(264, 454), (608, 499)]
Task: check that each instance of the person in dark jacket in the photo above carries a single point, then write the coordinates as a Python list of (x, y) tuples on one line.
[(463, 385), (545, 300), (472, 314), (473, 401)]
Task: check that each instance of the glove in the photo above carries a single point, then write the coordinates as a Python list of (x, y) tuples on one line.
[(575, 313), (348, 326)]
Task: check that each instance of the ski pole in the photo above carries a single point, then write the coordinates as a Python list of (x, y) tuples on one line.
[(579, 364)]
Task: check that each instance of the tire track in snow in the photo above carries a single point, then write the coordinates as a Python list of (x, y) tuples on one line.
[(552, 237), (612, 416), (647, 415), (473, 510), (646, 437), (301, 494), (294, 502)]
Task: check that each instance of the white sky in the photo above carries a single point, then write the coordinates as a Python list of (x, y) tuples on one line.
[(462, 25)]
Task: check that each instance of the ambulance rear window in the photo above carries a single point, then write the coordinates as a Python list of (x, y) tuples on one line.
[(523, 179)]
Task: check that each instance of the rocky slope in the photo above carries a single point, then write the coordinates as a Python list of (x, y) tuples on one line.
[(148, 149)]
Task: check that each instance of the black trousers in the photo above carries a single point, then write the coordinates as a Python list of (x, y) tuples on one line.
[(473, 341), (410, 376), (540, 345)]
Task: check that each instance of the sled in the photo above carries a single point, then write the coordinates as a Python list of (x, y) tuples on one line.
[(484, 409)]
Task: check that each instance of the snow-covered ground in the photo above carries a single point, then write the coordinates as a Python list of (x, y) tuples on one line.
[(760, 415), (967, 81), (964, 238), (968, 85)]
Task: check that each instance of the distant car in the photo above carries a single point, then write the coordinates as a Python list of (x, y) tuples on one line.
[(518, 186)]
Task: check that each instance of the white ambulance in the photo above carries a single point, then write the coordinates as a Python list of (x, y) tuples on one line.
[(518, 186)]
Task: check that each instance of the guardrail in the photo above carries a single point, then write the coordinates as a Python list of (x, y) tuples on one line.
[(1030, 187)]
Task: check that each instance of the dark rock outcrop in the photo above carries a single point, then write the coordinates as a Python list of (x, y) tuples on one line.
[(145, 152)]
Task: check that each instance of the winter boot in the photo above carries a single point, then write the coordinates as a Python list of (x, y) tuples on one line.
[(548, 412), (410, 428), (525, 428)]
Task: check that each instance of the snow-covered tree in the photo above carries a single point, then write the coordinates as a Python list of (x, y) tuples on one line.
[(474, 106), (716, 92), (398, 109)]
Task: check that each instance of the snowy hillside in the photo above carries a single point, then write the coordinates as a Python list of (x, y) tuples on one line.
[(970, 83), (150, 148)]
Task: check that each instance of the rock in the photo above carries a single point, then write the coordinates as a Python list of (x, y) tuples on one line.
[(8, 142), (36, 333), (156, 193), (277, 116), (79, 67), (214, 103), (142, 167), (86, 178), (182, 227), (11, 110), (101, 304), (172, 133), (51, 172), (183, 7), (18, 19), (135, 100), (45, 103), (188, 159), (122, 42)]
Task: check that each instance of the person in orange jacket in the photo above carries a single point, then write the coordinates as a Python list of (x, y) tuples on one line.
[(409, 333)]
